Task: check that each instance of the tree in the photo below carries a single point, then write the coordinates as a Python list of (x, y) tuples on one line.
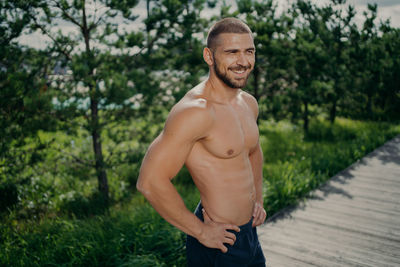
[(86, 53), (368, 54), (389, 98), (273, 71), (334, 31), (111, 73), (25, 106), (310, 59)]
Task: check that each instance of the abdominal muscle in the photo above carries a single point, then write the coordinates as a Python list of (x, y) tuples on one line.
[(226, 186)]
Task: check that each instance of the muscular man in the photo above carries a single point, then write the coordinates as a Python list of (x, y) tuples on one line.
[(213, 131)]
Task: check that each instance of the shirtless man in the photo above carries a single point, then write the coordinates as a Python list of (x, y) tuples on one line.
[(213, 131)]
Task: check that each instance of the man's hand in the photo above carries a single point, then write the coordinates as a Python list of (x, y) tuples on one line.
[(259, 214), (214, 234)]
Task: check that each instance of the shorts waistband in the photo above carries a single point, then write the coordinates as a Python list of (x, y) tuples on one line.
[(243, 228)]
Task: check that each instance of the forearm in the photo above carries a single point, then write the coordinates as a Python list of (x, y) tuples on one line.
[(256, 160), (165, 199)]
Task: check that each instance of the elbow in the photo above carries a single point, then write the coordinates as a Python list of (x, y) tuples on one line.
[(144, 187), (141, 185)]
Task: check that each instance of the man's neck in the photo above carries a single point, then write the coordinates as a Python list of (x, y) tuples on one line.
[(220, 92)]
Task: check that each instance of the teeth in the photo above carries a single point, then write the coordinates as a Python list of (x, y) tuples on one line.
[(239, 71)]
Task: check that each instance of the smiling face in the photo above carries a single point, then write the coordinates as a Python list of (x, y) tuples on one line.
[(234, 58)]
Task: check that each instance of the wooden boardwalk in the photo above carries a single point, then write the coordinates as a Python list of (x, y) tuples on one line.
[(352, 220)]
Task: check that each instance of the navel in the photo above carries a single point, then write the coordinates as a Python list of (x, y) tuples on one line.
[(230, 152)]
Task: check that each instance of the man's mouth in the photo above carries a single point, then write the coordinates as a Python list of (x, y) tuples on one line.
[(239, 71)]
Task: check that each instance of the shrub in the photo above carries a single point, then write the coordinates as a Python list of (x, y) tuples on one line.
[(8, 195)]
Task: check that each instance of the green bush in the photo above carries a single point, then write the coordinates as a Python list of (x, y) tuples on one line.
[(80, 206), (8, 195)]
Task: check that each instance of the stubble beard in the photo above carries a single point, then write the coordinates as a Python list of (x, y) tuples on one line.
[(231, 82)]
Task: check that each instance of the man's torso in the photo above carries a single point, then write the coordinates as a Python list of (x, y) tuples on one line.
[(219, 163)]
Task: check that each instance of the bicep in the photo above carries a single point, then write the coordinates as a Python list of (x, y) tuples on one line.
[(252, 103), (165, 156), (168, 152), (256, 150)]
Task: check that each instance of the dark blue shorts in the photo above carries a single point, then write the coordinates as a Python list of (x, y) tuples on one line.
[(245, 252)]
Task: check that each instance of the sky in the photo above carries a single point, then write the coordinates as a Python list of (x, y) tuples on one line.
[(387, 9)]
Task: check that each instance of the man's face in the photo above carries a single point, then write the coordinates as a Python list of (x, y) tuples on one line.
[(234, 57)]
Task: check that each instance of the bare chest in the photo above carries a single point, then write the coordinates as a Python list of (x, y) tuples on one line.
[(234, 131)]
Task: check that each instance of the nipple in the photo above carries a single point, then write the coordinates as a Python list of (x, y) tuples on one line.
[(230, 152)]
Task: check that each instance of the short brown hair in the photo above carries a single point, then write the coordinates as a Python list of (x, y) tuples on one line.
[(226, 25)]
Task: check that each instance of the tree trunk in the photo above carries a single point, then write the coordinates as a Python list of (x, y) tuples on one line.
[(94, 120), (98, 153)]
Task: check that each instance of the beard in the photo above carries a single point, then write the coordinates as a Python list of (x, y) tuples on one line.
[(231, 81)]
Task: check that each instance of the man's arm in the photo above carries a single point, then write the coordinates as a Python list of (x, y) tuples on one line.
[(256, 160), (164, 158)]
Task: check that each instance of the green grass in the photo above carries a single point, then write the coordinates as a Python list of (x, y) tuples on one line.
[(296, 163), (133, 234)]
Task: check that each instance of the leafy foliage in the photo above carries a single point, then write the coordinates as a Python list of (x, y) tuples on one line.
[(134, 234), (81, 112)]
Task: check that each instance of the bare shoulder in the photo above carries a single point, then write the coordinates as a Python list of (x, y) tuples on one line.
[(251, 102), (192, 117)]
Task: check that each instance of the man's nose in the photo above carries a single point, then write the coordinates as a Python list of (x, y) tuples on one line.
[(242, 60)]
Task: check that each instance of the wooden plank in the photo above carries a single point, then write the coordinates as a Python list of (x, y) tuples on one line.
[(332, 239), (343, 239), (356, 225), (331, 242), (372, 181), (358, 200), (377, 172), (299, 254), (363, 179), (283, 260), (372, 173), (352, 220), (348, 259), (362, 215), (339, 230), (366, 210), (373, 207), (353, 191), (367, 188), (331, 250)]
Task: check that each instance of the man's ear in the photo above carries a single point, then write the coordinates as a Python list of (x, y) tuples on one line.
[(208, 56)]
